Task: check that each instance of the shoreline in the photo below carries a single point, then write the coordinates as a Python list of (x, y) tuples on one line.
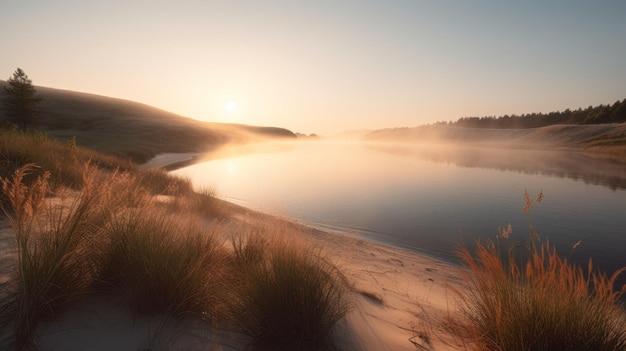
[(399, 299), (171, 160)]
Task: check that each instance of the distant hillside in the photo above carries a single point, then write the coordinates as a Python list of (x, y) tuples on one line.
[(132, 129), (607, 138), (599, 129)]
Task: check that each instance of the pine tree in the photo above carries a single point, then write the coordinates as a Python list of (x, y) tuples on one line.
[(20, 100)]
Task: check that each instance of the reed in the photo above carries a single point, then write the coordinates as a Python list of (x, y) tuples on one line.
[(528, 297)]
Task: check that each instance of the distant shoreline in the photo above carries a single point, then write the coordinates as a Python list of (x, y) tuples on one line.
[(606, 139), (171, 161)]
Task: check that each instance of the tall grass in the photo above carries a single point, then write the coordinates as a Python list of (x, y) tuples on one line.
[(53, 266), (202, 202), (164, 263), (158, 181), (528, 297), (63, 161), (113, 237), (289, 297)]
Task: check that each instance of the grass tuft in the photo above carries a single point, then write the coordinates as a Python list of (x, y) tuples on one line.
[(291, 299), (530, 298), (53, 266), (164, 263), (113, 236)]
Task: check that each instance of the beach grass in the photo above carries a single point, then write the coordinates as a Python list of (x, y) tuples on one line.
[(147, 238), (114, 236), (528, 297), (53, 265), (289, 295), (164, 263), (64, 161)]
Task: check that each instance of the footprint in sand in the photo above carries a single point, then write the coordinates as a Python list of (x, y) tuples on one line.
[(396, 261)]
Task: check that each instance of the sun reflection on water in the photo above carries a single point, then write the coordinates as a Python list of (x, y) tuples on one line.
[(231, 167)]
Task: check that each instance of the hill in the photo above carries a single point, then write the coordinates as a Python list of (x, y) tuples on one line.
[(130, 129), (601, 114), (605, 138)]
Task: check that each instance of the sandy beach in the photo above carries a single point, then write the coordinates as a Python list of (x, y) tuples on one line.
[(399, 301)]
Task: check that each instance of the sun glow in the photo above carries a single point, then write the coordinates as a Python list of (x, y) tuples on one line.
[(230, 106)]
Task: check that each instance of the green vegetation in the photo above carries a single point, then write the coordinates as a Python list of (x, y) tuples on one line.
[(145, 238), (527, 297), (20, 100), (601, 114)]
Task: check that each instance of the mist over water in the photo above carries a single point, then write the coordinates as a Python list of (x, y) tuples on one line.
[(431, 198)]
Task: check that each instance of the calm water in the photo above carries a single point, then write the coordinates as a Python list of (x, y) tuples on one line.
[(430, 199)]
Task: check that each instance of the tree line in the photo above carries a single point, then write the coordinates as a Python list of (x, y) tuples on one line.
[(601, 114)]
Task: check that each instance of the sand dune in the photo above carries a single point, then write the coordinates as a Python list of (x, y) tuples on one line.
[(598, 137), (396, 295)]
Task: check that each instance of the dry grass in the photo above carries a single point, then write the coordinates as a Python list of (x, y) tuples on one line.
[(202, 202), (164, 263), (115, 238), (63, 161), (54, 264), (528, 297), (289, 296)]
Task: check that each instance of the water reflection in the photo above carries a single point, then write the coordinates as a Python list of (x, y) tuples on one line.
[(430, 198), (590, 168)]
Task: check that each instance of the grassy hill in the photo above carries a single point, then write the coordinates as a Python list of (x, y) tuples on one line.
[(130, 129)]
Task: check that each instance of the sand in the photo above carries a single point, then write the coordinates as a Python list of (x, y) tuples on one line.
[(399, 301)]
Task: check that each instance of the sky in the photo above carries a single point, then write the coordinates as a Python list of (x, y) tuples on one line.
[(324, 66)]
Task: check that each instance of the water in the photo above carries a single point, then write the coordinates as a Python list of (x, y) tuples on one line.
[(430, 199)]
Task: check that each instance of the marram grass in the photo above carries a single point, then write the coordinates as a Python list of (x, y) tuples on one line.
[(530, 298), (290, 296), (115, 238), (53, 266), (164, 263)]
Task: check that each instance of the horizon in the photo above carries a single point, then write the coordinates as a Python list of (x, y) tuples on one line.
[(325, 67)]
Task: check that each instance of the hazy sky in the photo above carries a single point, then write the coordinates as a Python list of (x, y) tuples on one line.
[(324, 66)]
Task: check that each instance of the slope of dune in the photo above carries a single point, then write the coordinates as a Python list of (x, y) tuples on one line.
[(132, 129), (609, 138)]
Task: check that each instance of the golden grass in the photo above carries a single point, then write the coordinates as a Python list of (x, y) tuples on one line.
[(54, 265), (528, 297), (115, 238), (164, 263)]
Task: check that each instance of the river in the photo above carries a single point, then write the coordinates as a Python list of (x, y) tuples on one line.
[(431, 198)]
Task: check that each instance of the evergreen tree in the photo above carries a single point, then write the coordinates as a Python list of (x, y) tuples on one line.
[(19, 100)]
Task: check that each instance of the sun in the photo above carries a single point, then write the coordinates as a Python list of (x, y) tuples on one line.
[(230, 106)]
